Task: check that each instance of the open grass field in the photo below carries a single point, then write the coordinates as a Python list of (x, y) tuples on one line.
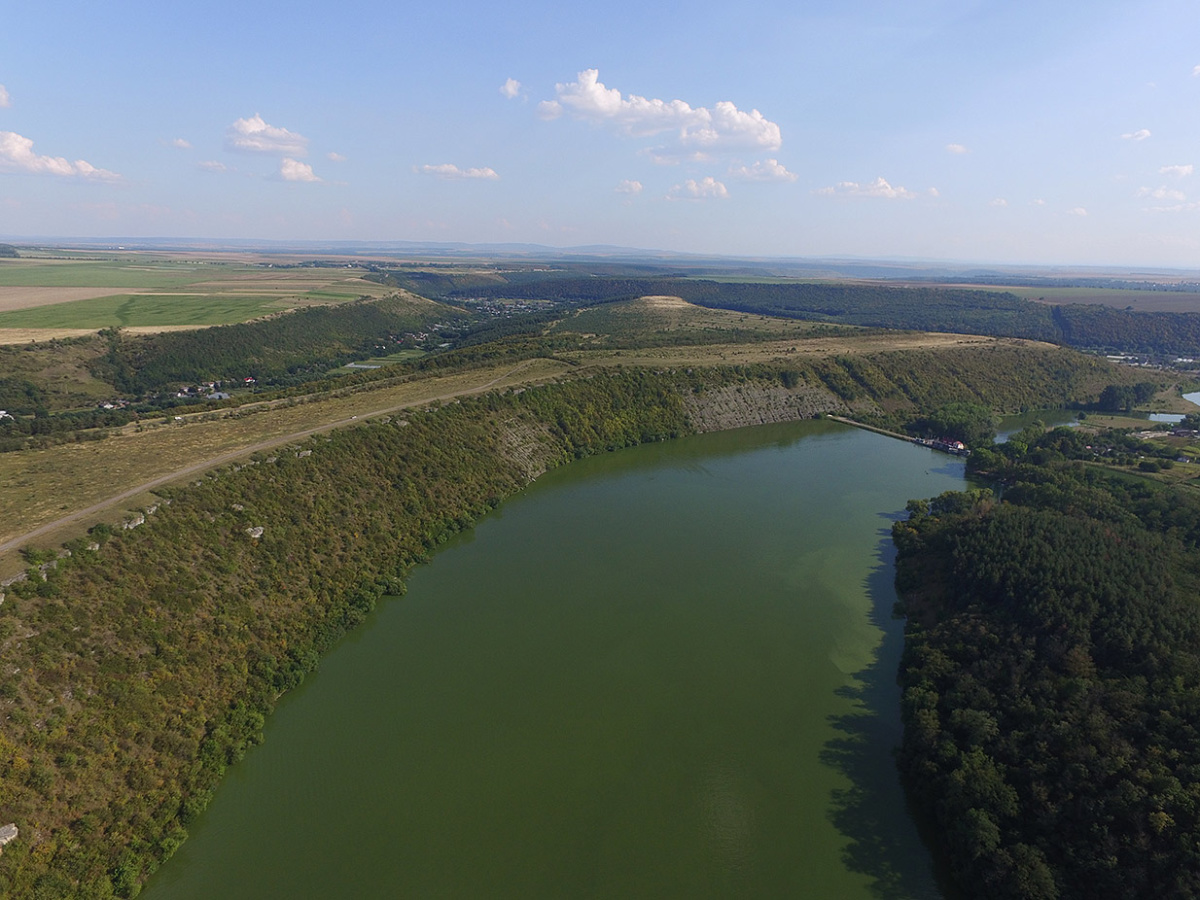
[(146, 310), (137, 292), (798, 347)]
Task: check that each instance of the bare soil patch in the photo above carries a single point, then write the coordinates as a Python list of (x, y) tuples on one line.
[(25, 335)]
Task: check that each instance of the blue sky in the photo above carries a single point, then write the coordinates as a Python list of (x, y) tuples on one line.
[(977, 131)]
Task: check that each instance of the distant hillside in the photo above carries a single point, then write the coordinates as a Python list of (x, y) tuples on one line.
[(957, 310)]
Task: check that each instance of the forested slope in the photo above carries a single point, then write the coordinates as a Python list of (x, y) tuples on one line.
[(1052, 680)]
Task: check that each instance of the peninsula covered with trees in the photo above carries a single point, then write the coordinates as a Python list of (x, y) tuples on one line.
[(1052, 673)]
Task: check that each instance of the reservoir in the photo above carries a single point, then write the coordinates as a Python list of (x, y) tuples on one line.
[(663, 672)]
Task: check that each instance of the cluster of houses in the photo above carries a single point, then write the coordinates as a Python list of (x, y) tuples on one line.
[(210, 390)]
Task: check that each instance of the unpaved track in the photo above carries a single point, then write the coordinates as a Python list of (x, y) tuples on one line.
[(214, 461)]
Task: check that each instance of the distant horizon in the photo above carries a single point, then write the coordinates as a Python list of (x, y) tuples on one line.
[(533, 252), (980, 133)]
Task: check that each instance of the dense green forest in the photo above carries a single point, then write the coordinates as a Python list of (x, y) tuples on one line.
[(143, 664), (1052, 675), (278, 350)]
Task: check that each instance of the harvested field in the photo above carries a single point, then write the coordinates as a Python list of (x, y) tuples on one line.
[(28, 335)]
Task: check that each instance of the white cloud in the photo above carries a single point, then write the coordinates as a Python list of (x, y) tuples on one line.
[(291, 170), (511, 88), (16, 154), (877, 188), (211, 165), (451, 172), (179, 144), (706, 188), (1162, 193), (253, 135), (934, 192), (1078, 211), (1038, 202), (5, 99), (764, 170), (629, 187), (335, 157), (1196, 71), (1178, 207), (723, 126), (956, 148), (1140, 135), (1177, 171), (999, 201)]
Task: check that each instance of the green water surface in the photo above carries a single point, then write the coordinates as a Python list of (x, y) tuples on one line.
[(663, 672)]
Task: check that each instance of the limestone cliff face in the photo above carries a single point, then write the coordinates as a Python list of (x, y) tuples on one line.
[(737, 406)]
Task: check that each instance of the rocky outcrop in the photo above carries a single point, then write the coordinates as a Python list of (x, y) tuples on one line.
[(737, 406)]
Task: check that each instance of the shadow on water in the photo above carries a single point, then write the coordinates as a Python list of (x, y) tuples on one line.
[(889, 841)]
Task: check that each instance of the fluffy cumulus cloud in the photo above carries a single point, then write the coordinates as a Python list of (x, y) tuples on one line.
[(629, 187), (293, 170), (707, 188), (179, 144), (451, 172), (1140, 135), (955, 148), (764, 170), (724, 127), (998, 201), (212, 165), (1196, 71), (1078, 211), (1177, 171), (5, 100), (877, 188), (511, 88), (253, 135), (16, 155), (334, 156)]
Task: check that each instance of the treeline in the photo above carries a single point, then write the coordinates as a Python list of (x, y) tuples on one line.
[(1104, 328), (279, 350), (959, 310), (1051, 677)]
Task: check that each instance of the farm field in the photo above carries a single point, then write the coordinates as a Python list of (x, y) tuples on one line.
[(67, 296)]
